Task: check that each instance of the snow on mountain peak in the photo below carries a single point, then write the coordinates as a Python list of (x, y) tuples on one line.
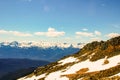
[(41, 44)]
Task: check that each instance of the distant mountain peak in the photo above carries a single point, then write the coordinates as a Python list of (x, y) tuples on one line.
[(42, 44)]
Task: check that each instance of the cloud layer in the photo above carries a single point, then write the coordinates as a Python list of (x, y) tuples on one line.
[(88, 34), (51, 33), (85, 34), (15, 33)]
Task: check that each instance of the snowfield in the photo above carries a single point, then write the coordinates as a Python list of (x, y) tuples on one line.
[(92, 66), (56, 76), (68, 60)]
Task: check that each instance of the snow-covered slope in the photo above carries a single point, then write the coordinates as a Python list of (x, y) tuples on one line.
[(73, 69), (95, 61)]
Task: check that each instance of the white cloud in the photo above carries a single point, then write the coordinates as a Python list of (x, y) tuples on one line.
[(84, 29), (112, 35), (85, 34), (3, 32), (51, 29), (51, 33), (88, 34), (97, 33), (15, 33), (39, 33)]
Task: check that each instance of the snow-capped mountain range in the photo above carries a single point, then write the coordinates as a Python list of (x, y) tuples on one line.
[(95, 61), (49, 51), (42, 44)]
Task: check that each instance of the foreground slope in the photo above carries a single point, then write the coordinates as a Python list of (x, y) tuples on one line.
[(95, 61)]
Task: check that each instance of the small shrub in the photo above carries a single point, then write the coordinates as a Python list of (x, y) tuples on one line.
[(105, 62)]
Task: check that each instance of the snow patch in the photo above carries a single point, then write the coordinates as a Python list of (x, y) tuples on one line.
[(84, 54), (56, 76), (93, 66), (115, 75), (68, 60), (91, 55)]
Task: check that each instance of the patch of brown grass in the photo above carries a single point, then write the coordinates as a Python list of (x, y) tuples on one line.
[(83, 70)]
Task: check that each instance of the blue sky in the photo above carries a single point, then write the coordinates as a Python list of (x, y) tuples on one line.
[(59, 20)]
